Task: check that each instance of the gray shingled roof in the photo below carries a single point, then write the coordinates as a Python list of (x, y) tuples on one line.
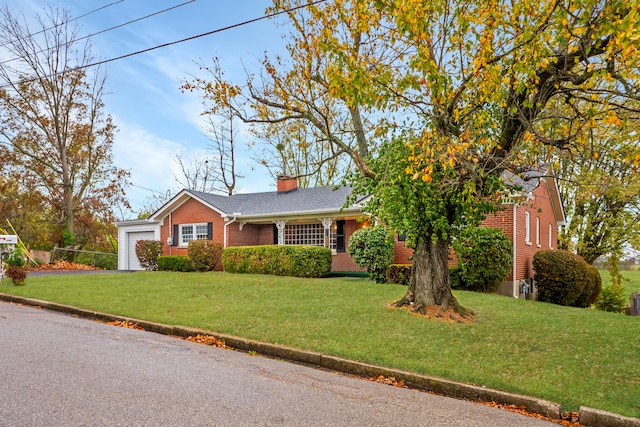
[(271, 203), (526, 181)]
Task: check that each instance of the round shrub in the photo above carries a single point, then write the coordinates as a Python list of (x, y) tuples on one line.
[(372, 248), (592, 288), (560, 276), (204, 255), (484, 258)]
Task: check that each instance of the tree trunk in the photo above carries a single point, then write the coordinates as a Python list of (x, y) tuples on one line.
[(430, 282)]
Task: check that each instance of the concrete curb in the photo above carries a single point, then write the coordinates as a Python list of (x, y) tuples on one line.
[(552, 410), (590, 417)]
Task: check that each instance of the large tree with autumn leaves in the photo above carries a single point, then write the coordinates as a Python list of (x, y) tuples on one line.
[(433, 101), (53, 131)]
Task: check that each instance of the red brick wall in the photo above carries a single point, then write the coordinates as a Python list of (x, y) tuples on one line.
[(191, 212), (538, 208), (249, 235), (402, 252)]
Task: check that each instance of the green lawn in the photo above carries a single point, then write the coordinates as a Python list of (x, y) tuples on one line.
[(631, 280), (567, 355)]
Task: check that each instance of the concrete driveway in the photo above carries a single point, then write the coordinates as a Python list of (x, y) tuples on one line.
[(58, 370)]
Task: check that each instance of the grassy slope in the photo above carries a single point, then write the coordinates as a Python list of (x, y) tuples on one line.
[(568, 355)]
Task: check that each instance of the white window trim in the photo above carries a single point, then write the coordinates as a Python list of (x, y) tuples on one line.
[(527, 228), (182, 243), (550, 236), (538, 232)]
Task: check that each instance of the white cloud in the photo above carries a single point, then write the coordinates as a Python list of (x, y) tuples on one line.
[(149, 157)]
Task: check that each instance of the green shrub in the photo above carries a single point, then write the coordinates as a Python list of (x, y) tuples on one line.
[(13, 257), (484, 258), (612, 299), (560, 276), (279, 260), (454, 277), (17, 273), (592, 288), (106, 262), (204, 255), (174, 263), (372, 248), (148, 252), (399, 273)]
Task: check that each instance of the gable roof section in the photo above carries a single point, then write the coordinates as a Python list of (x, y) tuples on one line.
[(526, 182), (301, 201)]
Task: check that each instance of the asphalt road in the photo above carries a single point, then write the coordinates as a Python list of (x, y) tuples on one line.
[(58, 370)]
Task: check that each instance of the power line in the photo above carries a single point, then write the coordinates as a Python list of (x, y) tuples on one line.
[(229, 27), (109, 29), (62, 23)]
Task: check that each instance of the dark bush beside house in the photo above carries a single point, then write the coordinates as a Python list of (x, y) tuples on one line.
[(372, 248), (562, 277), (484, 259), (204, 255), (592, 288), (297, 261), (148, 252), (399, 274), (174, 263)]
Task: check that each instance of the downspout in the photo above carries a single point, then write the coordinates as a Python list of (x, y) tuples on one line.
[(235, 217), (169, 233), (514, 272)]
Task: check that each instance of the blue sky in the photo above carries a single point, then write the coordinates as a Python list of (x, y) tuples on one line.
[(155, 119)]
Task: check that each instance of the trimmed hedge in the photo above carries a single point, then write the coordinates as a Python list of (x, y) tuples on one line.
[(174, 263), (399, 274), (279, 260)]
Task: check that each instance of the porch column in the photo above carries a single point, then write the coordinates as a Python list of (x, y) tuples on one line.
[(280, 225), (327, 223)]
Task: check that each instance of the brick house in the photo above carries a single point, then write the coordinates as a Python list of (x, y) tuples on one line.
[(288, 216), (317, 216)]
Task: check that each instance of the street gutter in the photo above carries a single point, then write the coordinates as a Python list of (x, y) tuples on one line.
[(441, 386)]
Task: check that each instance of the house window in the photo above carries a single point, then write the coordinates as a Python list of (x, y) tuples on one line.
[(550, 236), (308, 234), (190, 232), (340, 236), (527, 228), (538, 231)]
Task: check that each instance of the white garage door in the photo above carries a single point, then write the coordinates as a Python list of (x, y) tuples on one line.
[(132, 238)]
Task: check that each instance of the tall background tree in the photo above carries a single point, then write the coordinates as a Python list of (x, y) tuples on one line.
[(53, 124), (601, 190), (433, 101)]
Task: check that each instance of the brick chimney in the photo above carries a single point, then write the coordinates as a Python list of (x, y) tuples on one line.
[(286, 183)]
